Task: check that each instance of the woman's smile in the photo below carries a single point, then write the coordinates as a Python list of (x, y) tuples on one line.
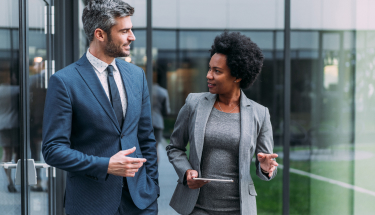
[(210, 85)]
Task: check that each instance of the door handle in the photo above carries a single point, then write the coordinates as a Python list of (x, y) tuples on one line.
[(31, 168)]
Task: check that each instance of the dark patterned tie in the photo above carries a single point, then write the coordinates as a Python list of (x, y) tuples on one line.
[(115, 96)]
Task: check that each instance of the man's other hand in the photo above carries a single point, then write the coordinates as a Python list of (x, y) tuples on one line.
[(121, 165)]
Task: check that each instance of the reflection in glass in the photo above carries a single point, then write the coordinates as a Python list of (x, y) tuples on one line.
[(37, 87), (82, 39), (138, 50), (364, 121), (321, 122), (10, 194)]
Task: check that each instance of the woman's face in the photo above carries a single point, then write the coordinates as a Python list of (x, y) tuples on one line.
[(219, 79)]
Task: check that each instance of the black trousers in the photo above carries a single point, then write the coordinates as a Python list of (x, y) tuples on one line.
[(127, 206)]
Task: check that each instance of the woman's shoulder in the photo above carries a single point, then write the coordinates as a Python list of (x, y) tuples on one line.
[(259, 109), (193, 98), (197, 96), (256, 105)]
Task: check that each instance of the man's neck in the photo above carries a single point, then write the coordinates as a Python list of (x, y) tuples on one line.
[(99, 53)]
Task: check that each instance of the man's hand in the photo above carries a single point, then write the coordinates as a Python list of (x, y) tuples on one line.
[(194, 184), (121, 165), (267, 163)]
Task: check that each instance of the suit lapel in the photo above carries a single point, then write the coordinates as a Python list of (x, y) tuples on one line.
[(129, 90), (203, 112), (91, 79)]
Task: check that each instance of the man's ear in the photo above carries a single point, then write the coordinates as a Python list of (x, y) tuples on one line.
[(100, 35)]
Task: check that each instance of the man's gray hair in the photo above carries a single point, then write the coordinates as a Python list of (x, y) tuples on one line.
[(102, 13)]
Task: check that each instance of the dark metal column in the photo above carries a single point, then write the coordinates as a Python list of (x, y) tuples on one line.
[(64, 55), (76, 21), (149, 47), (24, 100), (178, 57), (287, 78), (353, 109)]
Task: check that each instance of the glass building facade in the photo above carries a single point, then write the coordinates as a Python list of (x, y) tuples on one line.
[(331, 117)]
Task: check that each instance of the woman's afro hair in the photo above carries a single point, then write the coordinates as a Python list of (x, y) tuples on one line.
[(244, 57)]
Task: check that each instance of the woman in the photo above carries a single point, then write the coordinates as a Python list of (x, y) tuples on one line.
[(224, 129)]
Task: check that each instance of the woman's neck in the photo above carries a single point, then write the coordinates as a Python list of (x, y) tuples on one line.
[(230, 98)]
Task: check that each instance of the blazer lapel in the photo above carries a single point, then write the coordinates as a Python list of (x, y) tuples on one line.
[(247, 118), (89, 76), (203, 112), (247, 126)]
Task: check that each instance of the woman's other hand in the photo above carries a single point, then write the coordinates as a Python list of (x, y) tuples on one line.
[(267, 162), (194, 184)]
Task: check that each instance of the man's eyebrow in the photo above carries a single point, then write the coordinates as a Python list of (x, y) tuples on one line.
[(217, 67), (125, 29)]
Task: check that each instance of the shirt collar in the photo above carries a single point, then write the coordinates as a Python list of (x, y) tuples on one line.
[(98, 64)]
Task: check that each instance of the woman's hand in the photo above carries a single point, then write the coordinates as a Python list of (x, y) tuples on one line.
[(194, 184), (267, 162)]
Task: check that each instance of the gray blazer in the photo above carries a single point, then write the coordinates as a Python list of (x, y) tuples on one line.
[(256, 136)]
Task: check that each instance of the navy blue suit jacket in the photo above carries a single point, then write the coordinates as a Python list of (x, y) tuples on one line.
[(81, 133)]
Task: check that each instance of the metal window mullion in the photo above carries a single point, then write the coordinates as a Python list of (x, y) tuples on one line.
[(61, 49), (287, 95), (24, 98), (76, 30), (149, 47), (52, 19), (49, 64)]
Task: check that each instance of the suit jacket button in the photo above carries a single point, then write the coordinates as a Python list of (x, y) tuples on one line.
[(122, 135)]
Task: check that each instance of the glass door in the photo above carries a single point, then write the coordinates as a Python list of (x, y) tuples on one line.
[(41, 176), (10, 193), (25, 187)]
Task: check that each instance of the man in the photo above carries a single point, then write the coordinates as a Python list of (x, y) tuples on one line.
[(160, 108), (97, 121)]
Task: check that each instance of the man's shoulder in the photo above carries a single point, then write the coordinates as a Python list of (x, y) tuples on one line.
[(66, 71), (131, 67)]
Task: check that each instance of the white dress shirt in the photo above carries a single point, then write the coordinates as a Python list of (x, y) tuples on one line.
[(100, 68)]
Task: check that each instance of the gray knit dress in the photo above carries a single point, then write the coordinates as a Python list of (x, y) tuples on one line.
[(220, 160)]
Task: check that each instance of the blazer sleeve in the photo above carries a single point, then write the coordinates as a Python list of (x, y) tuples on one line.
[(57, 124), (176, 150), (264, 145), (146, 136)]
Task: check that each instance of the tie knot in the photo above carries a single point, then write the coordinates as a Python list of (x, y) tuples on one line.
[(110, 70)]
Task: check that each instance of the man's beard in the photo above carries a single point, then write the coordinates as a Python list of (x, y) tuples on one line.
[(112, 50)]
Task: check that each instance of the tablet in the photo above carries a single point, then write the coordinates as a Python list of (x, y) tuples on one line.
[(212, 179)]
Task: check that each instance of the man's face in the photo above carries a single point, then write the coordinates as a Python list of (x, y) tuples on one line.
[(118, 44)]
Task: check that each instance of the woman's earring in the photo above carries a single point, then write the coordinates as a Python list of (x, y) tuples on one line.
[(235, 81)]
